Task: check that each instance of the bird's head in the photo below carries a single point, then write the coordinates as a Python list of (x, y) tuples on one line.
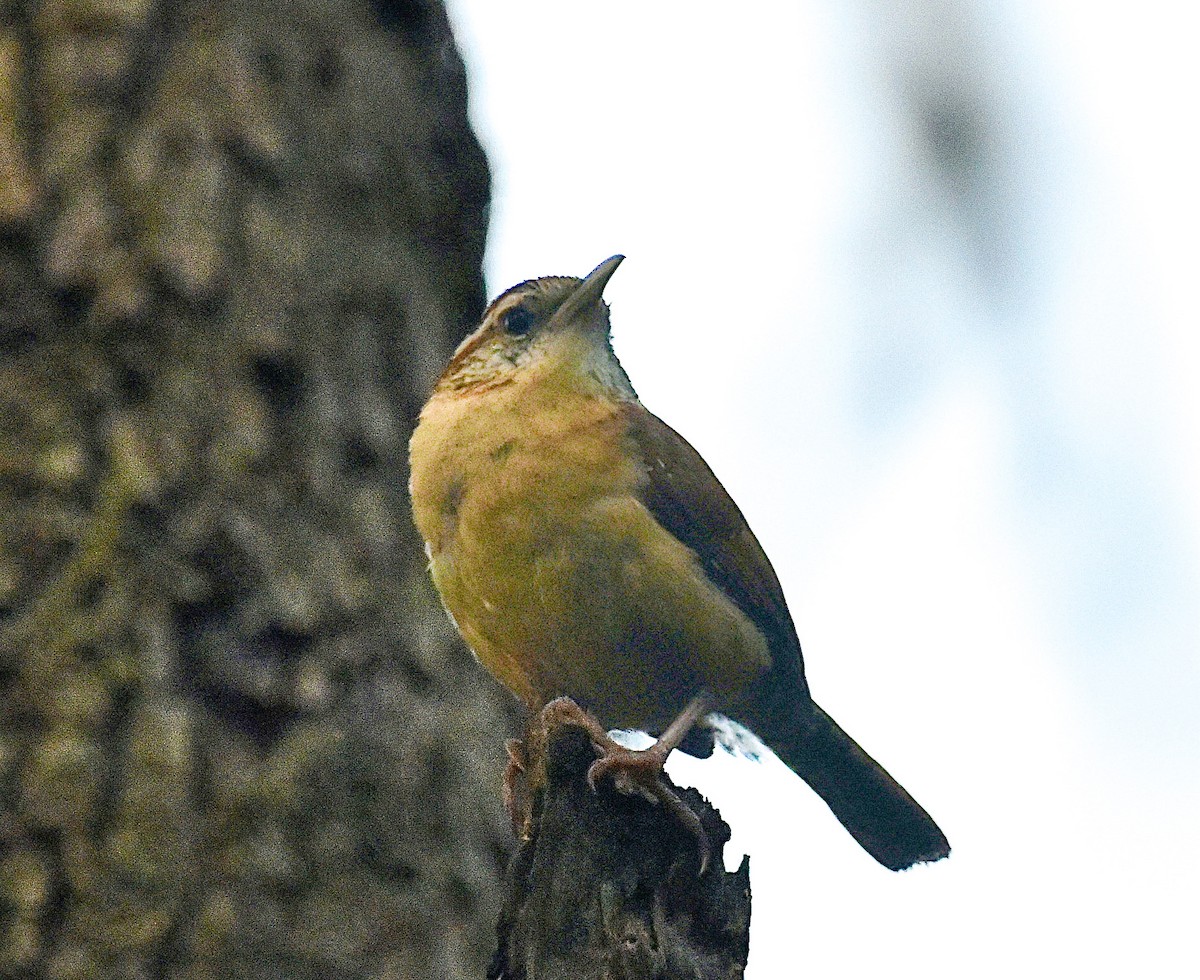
[(557, 326)]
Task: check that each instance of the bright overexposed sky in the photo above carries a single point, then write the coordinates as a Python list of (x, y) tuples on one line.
[(959, 406)]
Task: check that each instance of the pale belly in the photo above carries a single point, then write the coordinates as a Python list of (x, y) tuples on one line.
[(588, 596)]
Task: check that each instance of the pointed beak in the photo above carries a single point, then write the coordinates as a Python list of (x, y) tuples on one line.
[(590, 290)]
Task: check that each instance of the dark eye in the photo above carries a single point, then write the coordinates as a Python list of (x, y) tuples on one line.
[(518, 321)]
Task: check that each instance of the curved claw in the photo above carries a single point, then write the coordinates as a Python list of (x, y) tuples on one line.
[(641, 771), (636, 770)]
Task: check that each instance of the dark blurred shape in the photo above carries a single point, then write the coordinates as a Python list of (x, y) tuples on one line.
[(416, 20)]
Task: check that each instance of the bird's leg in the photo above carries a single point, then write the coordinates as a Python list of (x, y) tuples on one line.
[(640, 770), (525, 772), (633, 762), (517, 795)]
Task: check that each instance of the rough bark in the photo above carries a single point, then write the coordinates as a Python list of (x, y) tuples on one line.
[(237, 736), (607, 887)]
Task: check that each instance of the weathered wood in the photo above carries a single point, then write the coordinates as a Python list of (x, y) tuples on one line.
[(607, 886)]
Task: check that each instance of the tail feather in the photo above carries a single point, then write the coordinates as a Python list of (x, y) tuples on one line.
[(890, 825)]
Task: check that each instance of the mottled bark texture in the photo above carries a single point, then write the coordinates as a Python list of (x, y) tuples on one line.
[(238, 737), (607, 886)]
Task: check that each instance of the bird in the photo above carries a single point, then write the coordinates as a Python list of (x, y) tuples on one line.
[(584, 549)]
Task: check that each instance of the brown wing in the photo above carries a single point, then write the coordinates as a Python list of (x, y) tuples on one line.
[(688, 500)]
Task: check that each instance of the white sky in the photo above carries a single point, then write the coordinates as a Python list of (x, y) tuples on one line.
[(982, 497)]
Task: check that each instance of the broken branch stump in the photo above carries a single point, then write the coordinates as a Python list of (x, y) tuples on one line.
[(607, 887)]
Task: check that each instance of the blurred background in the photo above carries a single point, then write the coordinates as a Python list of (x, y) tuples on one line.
[(918, 280)]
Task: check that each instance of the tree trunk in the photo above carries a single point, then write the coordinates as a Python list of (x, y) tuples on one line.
[(238, 737), (609, 887)]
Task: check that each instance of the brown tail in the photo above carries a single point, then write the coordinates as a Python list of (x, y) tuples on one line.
[(889, 824)]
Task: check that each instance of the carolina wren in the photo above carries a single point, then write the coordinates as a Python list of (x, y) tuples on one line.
[(583, 548)]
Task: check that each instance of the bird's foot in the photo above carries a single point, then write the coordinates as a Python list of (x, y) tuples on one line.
[(564, 711), (638, 771)]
